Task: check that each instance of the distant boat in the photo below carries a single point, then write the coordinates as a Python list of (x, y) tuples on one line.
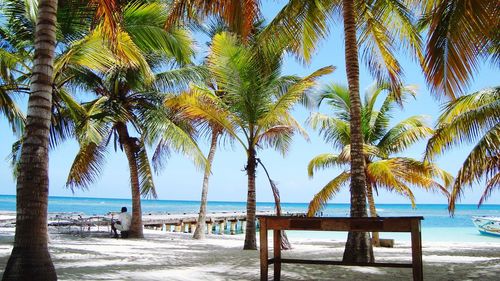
[(487, 225)]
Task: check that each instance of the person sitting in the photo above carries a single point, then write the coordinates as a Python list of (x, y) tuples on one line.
[(122, 224)]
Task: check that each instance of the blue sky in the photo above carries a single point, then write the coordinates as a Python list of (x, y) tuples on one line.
[(180, 180)]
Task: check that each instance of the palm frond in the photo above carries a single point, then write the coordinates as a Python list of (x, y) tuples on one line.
[(493, 183), (86, 166), (145, 174), (179, 79), (334, 130), (144, 22), (404, 134), (161, 126), (459, 35), (327, 192), (323, 161), (465, 120), (483, 160)]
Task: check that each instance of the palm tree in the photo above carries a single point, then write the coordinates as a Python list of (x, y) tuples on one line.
[(255, 106), (178, 103), (379, 28), (129, 99), (393, 173), (30, 258), (471, 119), (461, 34)]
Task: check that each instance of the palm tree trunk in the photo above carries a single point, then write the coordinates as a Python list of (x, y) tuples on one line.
[(250, 235), (373, 212), (358, 247), (130, 148), (30, 258), (199, 233)]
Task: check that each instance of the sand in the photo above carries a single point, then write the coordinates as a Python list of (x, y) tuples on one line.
[(175, 256)]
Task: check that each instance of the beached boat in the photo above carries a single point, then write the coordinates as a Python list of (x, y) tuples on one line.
[(487, 225)]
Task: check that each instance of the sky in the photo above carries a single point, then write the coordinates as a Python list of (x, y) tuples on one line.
[(181, 180)]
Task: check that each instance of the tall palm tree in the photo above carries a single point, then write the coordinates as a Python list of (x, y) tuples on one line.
[(471, 119), (128, 98), (394, 173), (30, 258), (378, 28), (255, 106)]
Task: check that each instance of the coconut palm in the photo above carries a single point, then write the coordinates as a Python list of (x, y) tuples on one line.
[(38, 27), (255, 106), (30, 243), (383, 170), (471, 119), (461, 35), (378, 28), (128, 98)]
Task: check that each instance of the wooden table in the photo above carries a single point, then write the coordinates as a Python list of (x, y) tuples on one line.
[(379, 224)]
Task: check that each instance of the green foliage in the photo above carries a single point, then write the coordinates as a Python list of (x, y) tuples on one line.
[(471, 119), (381, 142)]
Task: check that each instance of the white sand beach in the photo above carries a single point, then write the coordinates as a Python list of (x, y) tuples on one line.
[(176, 256)]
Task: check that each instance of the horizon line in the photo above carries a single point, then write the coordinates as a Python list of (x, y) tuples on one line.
[(269, 202)]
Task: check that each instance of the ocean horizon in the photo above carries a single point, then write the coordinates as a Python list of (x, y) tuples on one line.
[(437, 225)]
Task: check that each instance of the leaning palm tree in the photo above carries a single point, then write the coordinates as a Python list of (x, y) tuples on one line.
[(128, 98), (178, 103), (379, 28), (255, 106), (394, 173), (471, 119)]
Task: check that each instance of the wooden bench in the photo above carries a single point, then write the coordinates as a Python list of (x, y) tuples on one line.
[(379, 224)]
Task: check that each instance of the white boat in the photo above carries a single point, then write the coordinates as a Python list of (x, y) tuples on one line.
[(487, 225)]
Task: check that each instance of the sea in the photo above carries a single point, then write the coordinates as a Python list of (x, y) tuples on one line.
[(437, 226)]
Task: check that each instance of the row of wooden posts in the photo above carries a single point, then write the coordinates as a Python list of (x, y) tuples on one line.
[(231, 226)]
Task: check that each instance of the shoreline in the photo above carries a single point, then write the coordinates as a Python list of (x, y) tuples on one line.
[(429, 233), (176, 256)]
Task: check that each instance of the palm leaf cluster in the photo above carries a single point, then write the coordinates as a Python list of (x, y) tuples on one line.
[(471, 119), (461, 35), (382, 143)]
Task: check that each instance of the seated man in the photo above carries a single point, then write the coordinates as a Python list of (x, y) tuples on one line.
[(122, 224)]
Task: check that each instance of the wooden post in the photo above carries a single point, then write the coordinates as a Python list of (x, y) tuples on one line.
[(416, 251), (178, 227), (277, 254), (222, 227), (264, 263), (233, 227), (209, 228), (192, 227), (243, 226)]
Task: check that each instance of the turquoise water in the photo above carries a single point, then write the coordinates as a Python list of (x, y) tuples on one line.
[(437, 224)]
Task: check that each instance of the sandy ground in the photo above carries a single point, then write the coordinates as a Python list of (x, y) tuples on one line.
[(173, 256)]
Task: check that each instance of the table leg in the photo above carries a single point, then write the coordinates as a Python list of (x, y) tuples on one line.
[(264, 262), (277, 254), (416, 251)]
